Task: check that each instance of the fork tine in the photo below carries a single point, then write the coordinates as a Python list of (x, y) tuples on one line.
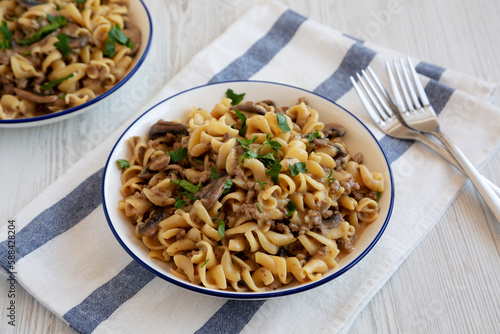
[(408, 104), (378, 92), (395, 90), (409, 85), (365, 84), (418, 84), (368, 106), (384, 92)]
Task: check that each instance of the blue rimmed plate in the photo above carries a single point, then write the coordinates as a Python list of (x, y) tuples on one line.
[(358, 139), (139, 16)]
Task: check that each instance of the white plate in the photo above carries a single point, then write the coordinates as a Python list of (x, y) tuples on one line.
[(358, 139), (139, 15)]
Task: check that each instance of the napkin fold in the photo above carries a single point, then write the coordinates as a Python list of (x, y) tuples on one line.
[(67, 257)]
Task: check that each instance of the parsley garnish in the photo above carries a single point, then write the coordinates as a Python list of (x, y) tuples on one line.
[(258, 207), (272, 144), (63, 44), (204, 263), (248, 154), (6, 36), (222, 228), (227, 186), (274, 171), (261, 184), (330, 178), (198, 161), (186, 185), (116, 35), (299, 167), (55, 82), (313, 135), (282, 123), (378, 196), (213, 173), (178, 155), (235, 98), (122, 163), (179, 203), (243, 120), (291, 208), (55, 23)]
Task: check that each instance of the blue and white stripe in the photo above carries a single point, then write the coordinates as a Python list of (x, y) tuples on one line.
[(233, 316)]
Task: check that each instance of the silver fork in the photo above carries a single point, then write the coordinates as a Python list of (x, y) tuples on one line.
[(419, 115), (380, 106)]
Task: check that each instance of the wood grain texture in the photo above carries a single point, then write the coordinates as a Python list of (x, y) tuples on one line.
[(449, 284)]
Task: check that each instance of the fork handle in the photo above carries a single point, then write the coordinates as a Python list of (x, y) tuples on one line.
[(486, 192), (446, 155)]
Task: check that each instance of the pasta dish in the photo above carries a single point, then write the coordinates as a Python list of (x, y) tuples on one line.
[(58, 54), (249, 196)]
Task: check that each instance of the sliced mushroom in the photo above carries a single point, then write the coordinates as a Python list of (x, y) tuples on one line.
[(163, 127), (134, 33), (176, 168), (333, 130), (328, 224), (35, 97), (250, 107), (156, 165), (211, 192), (150, 227), (320, 142), (78, 42), (267, 103)]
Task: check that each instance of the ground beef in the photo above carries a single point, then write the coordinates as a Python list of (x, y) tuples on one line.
[(250, 211), (358, 157)]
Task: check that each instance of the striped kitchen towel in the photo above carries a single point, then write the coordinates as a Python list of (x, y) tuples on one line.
[(69, 260)]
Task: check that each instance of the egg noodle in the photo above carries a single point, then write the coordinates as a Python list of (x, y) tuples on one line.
[(59, 54), (248, 196)]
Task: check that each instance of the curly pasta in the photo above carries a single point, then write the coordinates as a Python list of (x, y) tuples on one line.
[(248, 197), (58, 54)]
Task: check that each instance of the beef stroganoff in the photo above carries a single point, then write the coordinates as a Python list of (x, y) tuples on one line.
[(248, 196), (59, 54)]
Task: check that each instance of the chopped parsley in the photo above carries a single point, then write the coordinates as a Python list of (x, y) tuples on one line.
[(272, 144), (63, 44), (6, 42), (55, 82), (299, 167), (378, 196), (313, 135), (179, 203), (261, 184), (235, 98), (222, 229), (291, 208), (178, 155), (243, 120), (186, 185), (213, 173), (227, 186), (122, 163), (330, 178), (274, 171), (204, 263), (258, 207), (55, 23), (282, 123), (116, 35)]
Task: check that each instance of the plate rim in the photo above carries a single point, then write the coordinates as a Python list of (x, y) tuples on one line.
[(247, 295)]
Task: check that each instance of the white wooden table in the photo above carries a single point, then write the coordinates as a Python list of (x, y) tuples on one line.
[(449, 284)]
